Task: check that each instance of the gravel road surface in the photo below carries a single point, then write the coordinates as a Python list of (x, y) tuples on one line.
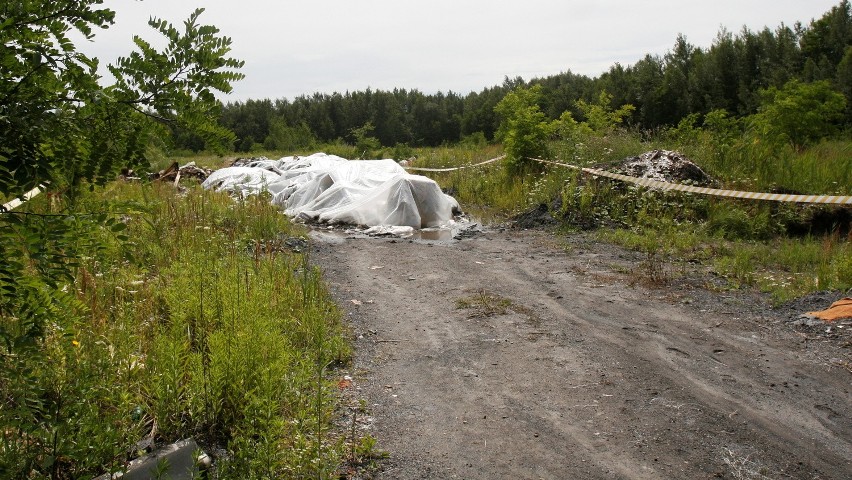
[(523, 354)]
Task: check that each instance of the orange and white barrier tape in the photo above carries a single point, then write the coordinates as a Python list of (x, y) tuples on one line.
[(17, 202), (452, 169), (646, 182)]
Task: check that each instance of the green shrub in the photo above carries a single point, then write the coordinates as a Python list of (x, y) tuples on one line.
[(734, 223), (524, 129)]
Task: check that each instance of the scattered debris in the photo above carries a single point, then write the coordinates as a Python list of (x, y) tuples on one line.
[(467, 230), (812, 328), (295, 244), (389, 231), (174, 173), (281, 243), (793, 310), (17, 202), (345, 382), (537, 217), (660, 165), (247, 162)]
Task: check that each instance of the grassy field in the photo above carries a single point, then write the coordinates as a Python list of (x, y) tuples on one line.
[(189, 315)]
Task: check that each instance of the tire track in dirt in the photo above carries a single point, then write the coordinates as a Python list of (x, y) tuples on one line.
[(582, 376)]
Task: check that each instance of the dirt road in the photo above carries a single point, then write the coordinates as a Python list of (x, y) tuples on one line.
[(520, 354)]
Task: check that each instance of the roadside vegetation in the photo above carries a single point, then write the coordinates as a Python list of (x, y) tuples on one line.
[(786, 249), (135, 311), (185, 314), (133, 314)]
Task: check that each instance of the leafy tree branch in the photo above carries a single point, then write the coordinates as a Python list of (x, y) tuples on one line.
[(59, 124)]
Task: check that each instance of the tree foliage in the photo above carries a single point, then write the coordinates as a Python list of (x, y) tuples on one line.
[(799, 113), (601, 117), (283, 137), (524, 129), (43, 79), (825, 42), (665, 89), (61, 125), (365, 142)]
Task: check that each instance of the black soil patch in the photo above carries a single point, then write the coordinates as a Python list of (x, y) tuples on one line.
[(537, 217), (822, 220)]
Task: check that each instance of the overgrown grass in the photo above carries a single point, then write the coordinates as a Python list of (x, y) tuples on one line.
[(202, 323), (737, 238), (749, 163), (784, 267), (774, 247)]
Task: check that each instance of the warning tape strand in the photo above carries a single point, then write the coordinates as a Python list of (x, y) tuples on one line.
[(650, 183), (647, 182), (452, 169)]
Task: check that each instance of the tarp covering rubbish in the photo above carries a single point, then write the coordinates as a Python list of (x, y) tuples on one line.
[(331, 189)]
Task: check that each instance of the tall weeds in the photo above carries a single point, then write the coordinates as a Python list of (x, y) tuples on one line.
[(203, 323), (775, 247)]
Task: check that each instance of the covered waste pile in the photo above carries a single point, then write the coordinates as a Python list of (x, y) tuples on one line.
[(331, 189)]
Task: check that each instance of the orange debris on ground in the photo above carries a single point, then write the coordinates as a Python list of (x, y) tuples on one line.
[(838, 310)]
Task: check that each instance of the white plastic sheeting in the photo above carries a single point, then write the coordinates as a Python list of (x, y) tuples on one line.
[(331, 189)]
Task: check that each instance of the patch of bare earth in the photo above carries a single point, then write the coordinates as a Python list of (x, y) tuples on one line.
[(508, 355)]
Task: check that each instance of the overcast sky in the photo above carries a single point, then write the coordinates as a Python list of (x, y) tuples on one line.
[(293, 48)]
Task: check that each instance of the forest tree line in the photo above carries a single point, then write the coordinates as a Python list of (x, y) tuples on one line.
[(733, 74)]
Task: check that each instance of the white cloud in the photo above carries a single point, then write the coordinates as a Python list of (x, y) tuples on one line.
[(293, 48)]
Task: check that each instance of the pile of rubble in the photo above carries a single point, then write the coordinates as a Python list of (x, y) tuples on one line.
[(664, 166), (247, 161)]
